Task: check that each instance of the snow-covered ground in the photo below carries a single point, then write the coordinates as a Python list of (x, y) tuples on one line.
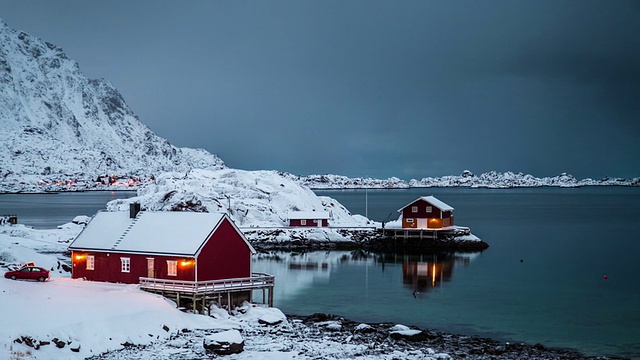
[(257, 201), (66, 318)]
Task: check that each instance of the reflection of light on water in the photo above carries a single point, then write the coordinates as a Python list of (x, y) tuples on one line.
[(433, 275), (298, 272)]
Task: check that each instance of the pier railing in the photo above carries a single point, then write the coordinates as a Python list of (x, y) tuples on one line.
[(256, 281)]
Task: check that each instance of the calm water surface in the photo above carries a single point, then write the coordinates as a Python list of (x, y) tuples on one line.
[(541, 281), (46, 211)]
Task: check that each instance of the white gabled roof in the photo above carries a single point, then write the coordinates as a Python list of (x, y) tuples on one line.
[(297, 215), (162, 232), (431, 200)]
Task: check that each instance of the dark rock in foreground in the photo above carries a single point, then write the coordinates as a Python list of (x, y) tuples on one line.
[(457, 346)]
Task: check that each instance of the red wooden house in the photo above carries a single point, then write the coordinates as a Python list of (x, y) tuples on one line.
[(308, 218), (426, 212), (123, 247)]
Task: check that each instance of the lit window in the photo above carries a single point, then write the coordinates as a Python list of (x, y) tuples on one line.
[(172, 268), (414, 209), (303, 222), (125, 265), (91, 262), (429, 209)]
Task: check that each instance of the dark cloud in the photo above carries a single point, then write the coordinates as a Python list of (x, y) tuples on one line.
[(377, 88)]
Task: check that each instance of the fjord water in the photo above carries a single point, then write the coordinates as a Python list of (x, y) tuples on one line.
[(542, 280), (46, 211)]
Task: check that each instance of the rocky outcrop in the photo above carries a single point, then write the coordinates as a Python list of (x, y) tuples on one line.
[(434, 343)]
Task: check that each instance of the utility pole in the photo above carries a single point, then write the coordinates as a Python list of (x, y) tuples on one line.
[(366, 199)]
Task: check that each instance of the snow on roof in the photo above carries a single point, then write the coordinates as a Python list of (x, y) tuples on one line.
[(431, 200), (162, 232), (308, 215)]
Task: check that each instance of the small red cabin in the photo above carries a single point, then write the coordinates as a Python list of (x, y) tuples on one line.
[(123, 247), (426, 212), (309, 218)]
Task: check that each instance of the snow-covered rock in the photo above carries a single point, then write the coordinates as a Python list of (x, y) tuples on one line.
[(225, 342), (252, 198), (57, 125)]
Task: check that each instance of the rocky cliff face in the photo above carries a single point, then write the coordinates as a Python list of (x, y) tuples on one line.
[(57, 124)]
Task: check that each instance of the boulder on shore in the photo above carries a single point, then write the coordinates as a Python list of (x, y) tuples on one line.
[(224, 343)]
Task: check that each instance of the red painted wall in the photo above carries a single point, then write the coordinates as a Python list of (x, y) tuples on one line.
[(225, 255), (108, 267), (310, 223), (422, 211)]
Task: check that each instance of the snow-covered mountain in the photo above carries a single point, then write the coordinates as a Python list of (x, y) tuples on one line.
[(57, 124), (491, 179)]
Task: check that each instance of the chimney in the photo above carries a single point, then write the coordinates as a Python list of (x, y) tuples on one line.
[(134, 209)]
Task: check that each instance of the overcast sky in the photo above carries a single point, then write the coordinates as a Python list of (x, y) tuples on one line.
[(369, 88)]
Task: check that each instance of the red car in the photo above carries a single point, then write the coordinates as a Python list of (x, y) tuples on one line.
[(28, 273)]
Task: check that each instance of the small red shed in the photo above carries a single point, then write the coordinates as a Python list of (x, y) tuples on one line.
[(308, 218), (188, 246), (426, 212)]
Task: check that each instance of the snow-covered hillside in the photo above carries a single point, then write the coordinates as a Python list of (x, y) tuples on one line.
[(491, 179), (260, 199), (59, 125)]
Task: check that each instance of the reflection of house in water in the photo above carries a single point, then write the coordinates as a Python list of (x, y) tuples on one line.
[(313, 266), (424, 275), (423, 272)]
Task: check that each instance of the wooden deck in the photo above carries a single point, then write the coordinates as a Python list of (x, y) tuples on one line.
[(225, 292), (407, 233)]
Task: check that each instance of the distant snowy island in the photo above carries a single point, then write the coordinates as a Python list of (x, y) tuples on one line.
[(491, 180)]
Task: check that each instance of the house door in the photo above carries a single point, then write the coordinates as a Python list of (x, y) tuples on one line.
[(151, 272), (422, 223)]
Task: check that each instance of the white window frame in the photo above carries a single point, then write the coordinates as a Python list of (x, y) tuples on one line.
[(125, 265), (414, 209), (409, 220), (429, 209), (303, 222), (172, 268), (91, 262)]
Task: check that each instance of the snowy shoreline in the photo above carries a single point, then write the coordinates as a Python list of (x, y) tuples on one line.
[(332, 336)]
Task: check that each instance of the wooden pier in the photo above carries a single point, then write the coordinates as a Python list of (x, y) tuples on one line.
[(225, 293), (407, 233)]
